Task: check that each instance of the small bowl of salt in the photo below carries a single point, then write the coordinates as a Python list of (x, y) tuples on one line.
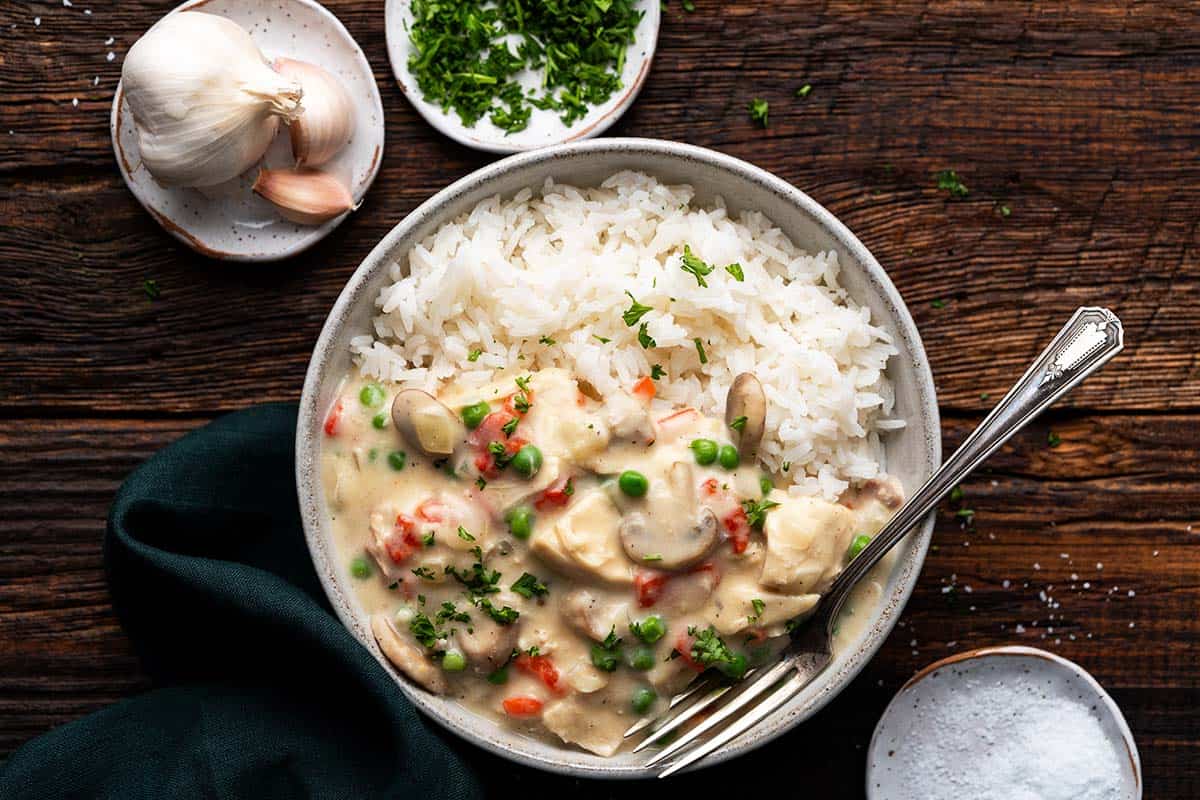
[(1003, 723)]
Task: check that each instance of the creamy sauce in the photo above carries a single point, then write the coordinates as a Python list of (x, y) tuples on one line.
[(441, 561)]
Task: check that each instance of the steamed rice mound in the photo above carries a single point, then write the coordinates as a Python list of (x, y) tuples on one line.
[(489, 291)]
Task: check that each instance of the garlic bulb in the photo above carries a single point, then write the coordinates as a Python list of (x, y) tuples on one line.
[(205, 103), (304, 196), (327, 123)]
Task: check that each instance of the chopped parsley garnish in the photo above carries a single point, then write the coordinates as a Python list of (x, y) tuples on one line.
[(1003, 210), (1053, 439), (688, 6), (510, 426), (474, 355), (948, 179), (786, 466), (150, 287), (601, 339), (522, 402), (652, 557), (500, 454), (759, 606), (700, 350), (427, 539), (480, 483), (528, 586), (956, 494), (607, 654), (939, 303), (710, 649), (657, 372), (756, 511), (644, 338), (759, 109), (424, 631), (448, 613), (569, 487), (546, 340), (738, 423), (479, 580), (463, 61), (424, 572), (735, 269), (804, 90), (967, 515), (464, 534), (504, 616), (688, 262), (634, 313)]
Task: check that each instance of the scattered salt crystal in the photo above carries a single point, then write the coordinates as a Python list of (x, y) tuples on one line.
[(1006, 584), (913, 643), (96, 81), (37, 21), (1132, 593), (1155, 554), (75, 102), (1074, 577), (1132, 624), (1087, 584), (947, 589), (1020, 628), (108, 42), (968, 588), (67, 3), (1064, 555), (1036, 565), (111, 55), (1099, 565)]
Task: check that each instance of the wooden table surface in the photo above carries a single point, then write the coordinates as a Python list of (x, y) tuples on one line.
[(1079, 117)]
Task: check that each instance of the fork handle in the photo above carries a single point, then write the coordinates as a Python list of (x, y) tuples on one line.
[(1086, 343)]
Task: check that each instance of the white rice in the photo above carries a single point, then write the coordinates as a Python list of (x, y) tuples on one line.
[(558, 264)]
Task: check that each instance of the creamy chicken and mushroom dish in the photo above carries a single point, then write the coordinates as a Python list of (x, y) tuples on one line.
[(566, 561)]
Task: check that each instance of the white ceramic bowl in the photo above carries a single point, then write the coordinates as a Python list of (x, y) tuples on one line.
[(545, 128), (229, 221), (1024, 669), (912, 454)]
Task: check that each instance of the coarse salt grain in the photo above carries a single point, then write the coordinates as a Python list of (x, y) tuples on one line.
[(1001, 737)]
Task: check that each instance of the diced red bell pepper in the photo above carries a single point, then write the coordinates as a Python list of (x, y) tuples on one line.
[(683, 646), (557, 495), (649, 587), (510, 403), (331, 421), (540, 667), (490, 430), (737, 525), (432, 510), (711, 487), (644, 390), (522, 706)]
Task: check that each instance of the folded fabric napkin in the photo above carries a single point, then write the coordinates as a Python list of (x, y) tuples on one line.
[(263, 693)]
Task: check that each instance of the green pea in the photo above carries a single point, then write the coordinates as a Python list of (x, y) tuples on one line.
[(527, 461), (454, 661), (499, 677), (633, 483), (640, 658), (380, 420), (372, 395), (728, 456), (643, 698), (473, 414), (360, 567), (766, 484), (397, 459), (520, 521), (856, 546), (705, 451), (734, 669), (650, 630)]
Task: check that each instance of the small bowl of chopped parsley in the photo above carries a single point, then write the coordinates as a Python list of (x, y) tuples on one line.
[(516, 75)]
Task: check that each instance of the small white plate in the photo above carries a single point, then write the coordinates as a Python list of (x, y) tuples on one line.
[(229, 221), (545, 128), (953, 681)]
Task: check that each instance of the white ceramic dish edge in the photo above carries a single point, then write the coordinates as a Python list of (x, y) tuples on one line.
[(544, 129), (801, 218), (1010, 651), (210, 226)]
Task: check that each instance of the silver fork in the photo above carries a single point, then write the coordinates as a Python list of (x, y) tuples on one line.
[(1086, 343)]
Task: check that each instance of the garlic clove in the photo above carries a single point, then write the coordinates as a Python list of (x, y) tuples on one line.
[(304, 196), (204, 102), (327, 121)]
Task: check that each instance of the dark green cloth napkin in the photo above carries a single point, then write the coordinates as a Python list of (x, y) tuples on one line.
[(263, 694)]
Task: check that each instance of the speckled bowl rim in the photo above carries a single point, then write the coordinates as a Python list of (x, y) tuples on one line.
[(179, 229), (1009, 651), (585, 128), (470, 726)]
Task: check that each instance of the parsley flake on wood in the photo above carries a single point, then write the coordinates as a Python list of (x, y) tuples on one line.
[(804, 91), (150, 287), (939, 303), (759, 109), (948, 179), (690, 263), (1053, 439)]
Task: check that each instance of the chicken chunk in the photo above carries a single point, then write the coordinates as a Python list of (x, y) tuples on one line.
[(487, 644), (806, 543), (592, 615), (576, 723), (734, 608), (588, 540), (406, 656)]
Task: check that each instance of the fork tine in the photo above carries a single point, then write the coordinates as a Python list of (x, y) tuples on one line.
[(783, 694), (671, 723), (646, 722), (746, 695)]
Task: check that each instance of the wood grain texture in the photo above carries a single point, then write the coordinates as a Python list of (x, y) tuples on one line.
[(1080, 117)]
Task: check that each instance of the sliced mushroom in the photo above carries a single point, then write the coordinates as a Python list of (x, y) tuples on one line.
[(746, 399), (407, 657), (426, 423), (487, 644), (674, 532)]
